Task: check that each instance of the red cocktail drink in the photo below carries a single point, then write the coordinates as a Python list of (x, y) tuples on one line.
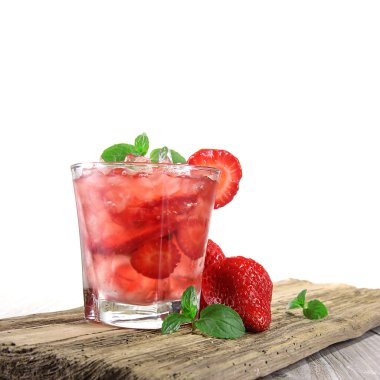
[(143, 231)]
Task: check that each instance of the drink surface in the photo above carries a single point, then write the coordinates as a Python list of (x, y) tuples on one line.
[(143, 232)]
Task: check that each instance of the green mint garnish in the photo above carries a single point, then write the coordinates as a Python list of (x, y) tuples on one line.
[(299, 301), (159, 154), (314, 309), (177, 158), (142, 144), (218, 321), (118, 152), (173, 322), (189, 302), (155, 155)]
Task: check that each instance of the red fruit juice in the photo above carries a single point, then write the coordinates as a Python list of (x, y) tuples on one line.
[(143, 231)]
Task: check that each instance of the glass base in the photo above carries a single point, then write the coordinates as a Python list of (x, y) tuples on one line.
[(134, 316)]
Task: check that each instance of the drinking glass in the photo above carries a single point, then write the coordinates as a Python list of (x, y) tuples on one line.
[(143, 233)]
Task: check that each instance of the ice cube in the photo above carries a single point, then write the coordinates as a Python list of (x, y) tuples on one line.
[(133, 158), (164, 156)]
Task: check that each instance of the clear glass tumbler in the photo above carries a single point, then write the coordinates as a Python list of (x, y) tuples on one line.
[(143, 232)]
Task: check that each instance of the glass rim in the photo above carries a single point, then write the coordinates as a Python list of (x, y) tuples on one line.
[(95, 164)]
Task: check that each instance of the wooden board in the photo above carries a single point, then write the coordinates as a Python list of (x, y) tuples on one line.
[(62, 345), (353, 359)]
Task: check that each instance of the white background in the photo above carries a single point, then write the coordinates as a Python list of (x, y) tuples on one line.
[(290, 87)]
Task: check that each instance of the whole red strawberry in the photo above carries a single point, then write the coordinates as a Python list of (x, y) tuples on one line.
[(242, 284), (213, 254)]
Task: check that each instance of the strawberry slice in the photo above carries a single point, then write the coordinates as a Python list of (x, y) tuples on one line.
[(105, 236), (230, 168), (192, 236), (169, 210), (156, 258)]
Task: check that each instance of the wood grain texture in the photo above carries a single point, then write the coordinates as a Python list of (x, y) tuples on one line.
[(62, 345), (353, 359)]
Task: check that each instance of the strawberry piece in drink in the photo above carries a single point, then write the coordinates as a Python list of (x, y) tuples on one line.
[(188, 272), (156, 258), (121, 283), (106, 236), (191, 237), (117, 215)]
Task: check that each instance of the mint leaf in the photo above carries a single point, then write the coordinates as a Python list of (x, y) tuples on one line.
[(173, 322), (177, 158), (154, 155), (315, 309), (299, 301), (142, 144), (220, 321), (118, 152), (189, 302), (159, 154)]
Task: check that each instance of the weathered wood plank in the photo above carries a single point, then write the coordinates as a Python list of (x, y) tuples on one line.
[(34, 320), (353, 359), (63, 345)]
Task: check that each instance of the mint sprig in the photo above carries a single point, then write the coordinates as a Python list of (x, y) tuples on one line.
[(189, 302), (314, 309), (218, 321), (118, 152), (142, 144), (299, 301), (177, 158), (173, 322), (160, 154)]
